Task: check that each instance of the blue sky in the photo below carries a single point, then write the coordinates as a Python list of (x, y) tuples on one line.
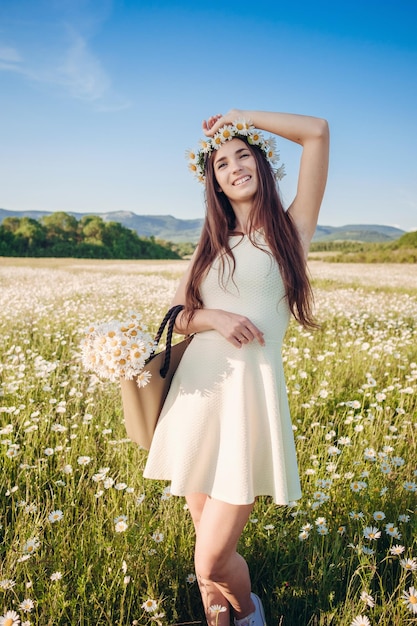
[(99, 99)]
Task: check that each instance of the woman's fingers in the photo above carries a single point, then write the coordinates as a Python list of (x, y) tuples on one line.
[(247, 334), (237, 329), (208, 124)]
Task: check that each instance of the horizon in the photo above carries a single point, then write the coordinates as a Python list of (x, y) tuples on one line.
[(101, 98), (81, 213)]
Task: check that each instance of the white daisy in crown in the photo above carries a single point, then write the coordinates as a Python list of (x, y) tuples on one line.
[(243, 126), (256, 138)]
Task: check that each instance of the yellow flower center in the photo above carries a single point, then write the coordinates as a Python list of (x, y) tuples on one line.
[(226, 133), (239, 126), (217, 140), (255, 137), (413, 599), (111, 333), (8, 621)]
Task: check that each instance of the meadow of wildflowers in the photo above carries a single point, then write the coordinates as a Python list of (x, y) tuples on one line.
[(85, 540)]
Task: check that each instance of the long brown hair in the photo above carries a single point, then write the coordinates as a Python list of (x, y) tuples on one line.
[(280, 234)]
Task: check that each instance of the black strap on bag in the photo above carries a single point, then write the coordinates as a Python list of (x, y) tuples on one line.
[(169, 319)]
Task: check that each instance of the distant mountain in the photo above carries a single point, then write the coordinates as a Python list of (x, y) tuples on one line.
[(358, 232), (177, 230)]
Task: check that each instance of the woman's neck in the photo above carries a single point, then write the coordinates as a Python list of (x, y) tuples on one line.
[(242, 211)]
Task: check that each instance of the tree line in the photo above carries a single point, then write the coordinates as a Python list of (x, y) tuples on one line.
[(62, 235), (401, 250)]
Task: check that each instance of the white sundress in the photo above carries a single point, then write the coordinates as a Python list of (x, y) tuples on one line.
[(225, 429)]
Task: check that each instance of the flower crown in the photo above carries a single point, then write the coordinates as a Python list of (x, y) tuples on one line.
[(239, 128)]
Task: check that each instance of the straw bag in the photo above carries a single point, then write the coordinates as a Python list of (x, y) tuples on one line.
[(142, 406)]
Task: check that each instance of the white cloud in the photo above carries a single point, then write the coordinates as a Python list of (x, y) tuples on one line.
[(9, 55), (82, 73), (74, 68)]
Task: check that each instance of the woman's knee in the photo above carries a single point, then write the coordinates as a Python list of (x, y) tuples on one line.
[(211, 565)]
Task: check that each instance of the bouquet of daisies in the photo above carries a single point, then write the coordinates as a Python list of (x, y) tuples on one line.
[(118, 349)]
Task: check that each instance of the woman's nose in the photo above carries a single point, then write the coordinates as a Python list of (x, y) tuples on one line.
[(236, 167)]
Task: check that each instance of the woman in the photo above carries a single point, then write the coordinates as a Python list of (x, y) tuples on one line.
[(225, 435)]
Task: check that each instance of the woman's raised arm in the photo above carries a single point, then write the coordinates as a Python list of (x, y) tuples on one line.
[(312, 133)]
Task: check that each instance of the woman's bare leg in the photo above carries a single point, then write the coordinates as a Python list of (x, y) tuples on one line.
[(222, 574)]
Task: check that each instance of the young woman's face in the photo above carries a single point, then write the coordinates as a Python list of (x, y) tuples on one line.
[(235, 171)]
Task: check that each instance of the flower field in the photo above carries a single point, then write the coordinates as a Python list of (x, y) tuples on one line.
[(86, 540)]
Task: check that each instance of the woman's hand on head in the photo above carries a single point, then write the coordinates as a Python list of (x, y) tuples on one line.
[(215, 122), (237, 329)]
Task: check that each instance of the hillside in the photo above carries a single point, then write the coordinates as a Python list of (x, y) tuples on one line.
[(170, 228), (358, 232)]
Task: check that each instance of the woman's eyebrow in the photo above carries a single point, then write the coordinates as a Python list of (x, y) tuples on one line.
[(223, 158)]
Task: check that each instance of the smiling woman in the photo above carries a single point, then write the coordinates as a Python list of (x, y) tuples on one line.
[(225, 436)]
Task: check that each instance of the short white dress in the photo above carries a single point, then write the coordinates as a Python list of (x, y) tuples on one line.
[(225, 429)]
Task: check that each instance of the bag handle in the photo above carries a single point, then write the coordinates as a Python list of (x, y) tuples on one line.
[(169, 319)]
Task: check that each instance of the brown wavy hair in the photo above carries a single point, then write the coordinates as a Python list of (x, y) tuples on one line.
[(280, 233)]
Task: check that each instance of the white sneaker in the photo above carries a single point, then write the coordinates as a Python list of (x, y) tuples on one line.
[(254, 619), (258, 618)]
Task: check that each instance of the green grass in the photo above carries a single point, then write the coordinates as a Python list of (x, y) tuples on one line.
[(352, 391)]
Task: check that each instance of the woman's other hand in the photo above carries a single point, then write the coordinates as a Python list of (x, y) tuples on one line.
[(237, 329), (215, 122)]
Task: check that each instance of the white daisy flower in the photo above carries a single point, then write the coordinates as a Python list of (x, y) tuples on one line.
[(370, 532), (10, 618), (191, 155), (143, 378), (7, 583), (120, 527), (217, 608), (410, 599), (84, 460), (367, 598), (243, 127), (361, 620), (31, 545), (150, 605), (27, 605), (55, 516), (255, 137), (378, 516)]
